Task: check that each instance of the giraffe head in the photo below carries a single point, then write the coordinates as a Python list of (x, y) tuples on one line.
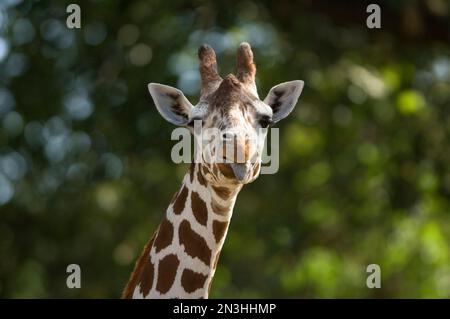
[(232, 119)]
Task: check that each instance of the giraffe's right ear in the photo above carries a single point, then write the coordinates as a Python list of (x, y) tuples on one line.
[(171, 103)]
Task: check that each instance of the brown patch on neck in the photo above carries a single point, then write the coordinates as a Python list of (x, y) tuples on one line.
[(167, 270), (199, 208), (191, 281), (165, 235), (180, 201), (142, 263), (194, 244), (201, 179), (219, 229), (146, 280), (222, 192)]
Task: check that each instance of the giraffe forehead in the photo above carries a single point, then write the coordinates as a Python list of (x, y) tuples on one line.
[(233, 97), (233, 106), (231, 101), (230, 93), (243, 110)]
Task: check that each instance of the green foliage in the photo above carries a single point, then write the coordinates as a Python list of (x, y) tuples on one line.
[(85, 169)]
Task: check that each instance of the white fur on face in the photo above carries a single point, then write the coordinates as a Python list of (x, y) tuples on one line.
[(242, 122)]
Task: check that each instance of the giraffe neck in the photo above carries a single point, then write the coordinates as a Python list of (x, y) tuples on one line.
[(181, 258)]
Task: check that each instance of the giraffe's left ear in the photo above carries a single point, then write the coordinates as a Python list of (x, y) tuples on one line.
[(283, 97), (171, 103)]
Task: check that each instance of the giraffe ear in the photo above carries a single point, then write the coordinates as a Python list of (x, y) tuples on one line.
[(283, 97), (171, 103)]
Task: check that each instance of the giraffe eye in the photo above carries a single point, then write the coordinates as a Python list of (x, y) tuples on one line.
[(265, 121)]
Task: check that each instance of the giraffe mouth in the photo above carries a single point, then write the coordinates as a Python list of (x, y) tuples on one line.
[(241, 171)]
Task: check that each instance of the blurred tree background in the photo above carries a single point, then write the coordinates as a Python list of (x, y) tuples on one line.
[(85, 169)]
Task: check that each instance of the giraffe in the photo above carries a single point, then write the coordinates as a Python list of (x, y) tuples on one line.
[(180, 259)]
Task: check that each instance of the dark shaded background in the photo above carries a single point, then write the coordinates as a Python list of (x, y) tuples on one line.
[(85, 169)]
